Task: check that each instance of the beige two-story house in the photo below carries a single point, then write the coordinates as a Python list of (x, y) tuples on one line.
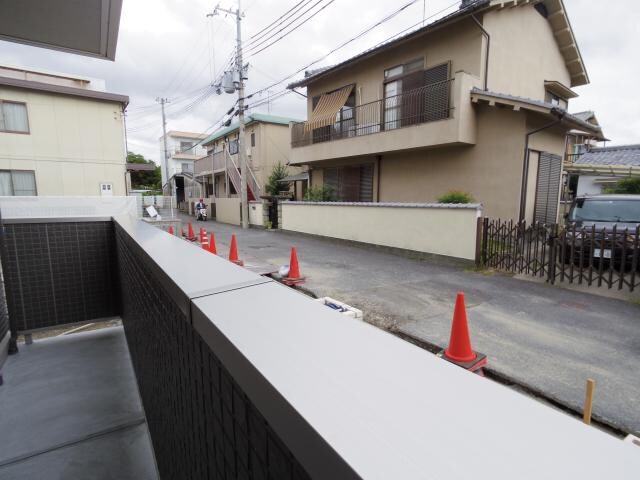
[(476, 101), (267, 144)]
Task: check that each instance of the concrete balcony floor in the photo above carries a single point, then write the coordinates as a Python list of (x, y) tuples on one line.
[(70, 408)]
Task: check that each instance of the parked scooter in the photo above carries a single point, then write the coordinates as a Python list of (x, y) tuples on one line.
[(201, 211)]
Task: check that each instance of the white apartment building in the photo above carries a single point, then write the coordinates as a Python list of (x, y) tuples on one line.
[(183, 149)]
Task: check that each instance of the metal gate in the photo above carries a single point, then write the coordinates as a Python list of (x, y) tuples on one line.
[(273, 212), (558, 253)]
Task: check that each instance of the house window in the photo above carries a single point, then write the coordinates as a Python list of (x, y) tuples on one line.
[(186, 146), (556, 100), (17, 183), (353, 183), (414, 95), (233, 147), (13, 117), (253, 139)]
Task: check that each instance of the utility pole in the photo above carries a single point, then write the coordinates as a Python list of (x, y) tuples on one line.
[(242, 150), (165, 161)]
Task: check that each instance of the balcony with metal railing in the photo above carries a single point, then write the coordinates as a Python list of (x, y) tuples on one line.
[(436, 114), (193, 152), (212, 163)]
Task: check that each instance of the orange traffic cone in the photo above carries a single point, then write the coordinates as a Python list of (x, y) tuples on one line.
[(212, 243), (233, 252), (294, 276), (170, 230), (191, 235), (203, 237), (459, 350)]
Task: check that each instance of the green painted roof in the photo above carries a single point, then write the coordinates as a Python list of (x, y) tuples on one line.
[(253, 118)]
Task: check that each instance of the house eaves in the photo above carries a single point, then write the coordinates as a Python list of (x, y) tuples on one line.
[(463, 12), (558, 19), (83, 27), (61, 90), (555, 14), (521, 103)]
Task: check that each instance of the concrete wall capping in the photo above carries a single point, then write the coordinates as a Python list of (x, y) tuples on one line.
[(470, 206)]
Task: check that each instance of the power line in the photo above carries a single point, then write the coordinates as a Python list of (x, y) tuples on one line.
[(141, 110), (270, 26), (182, 65), (250, 49), (342, 45), (270, 33)]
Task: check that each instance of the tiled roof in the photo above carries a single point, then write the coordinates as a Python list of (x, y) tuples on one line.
[(584, 116), (628, 155)]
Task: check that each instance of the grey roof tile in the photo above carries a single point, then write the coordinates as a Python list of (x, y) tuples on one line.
[(628, 155)]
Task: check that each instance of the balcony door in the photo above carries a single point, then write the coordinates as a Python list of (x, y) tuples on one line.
[(398, 105), (414, 95)]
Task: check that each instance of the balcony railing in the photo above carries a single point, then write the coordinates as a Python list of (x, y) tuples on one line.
[(195, 151), (426, 104), (210, 163)]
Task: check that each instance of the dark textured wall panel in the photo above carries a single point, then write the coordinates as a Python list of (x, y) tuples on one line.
[(4, 313), (202, 424), (59, 273)]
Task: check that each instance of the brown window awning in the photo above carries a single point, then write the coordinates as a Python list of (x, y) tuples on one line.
[(328, 106)]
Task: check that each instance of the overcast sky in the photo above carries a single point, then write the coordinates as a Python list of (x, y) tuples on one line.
[(170, 48)]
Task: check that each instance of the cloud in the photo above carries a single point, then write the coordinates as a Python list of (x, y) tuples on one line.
[(168, 48)]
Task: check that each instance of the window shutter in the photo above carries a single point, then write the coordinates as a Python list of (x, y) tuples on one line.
[(331, 181), (366, 183), (436, 95), (548, 188), (349, 184), (412, 99)]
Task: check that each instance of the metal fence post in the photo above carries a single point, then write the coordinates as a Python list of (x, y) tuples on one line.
[(480, 243)]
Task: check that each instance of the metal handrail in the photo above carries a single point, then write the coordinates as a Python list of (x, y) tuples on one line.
[(425, 104), (234, 175)]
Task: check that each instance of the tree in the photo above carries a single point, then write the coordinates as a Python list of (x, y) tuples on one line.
[(279, 172), (145, 179), (626, 185)]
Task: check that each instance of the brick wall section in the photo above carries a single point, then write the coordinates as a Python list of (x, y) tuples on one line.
[(202, 424), (59, 273)]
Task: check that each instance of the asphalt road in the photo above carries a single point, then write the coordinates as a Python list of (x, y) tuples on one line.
[(546, 338)]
